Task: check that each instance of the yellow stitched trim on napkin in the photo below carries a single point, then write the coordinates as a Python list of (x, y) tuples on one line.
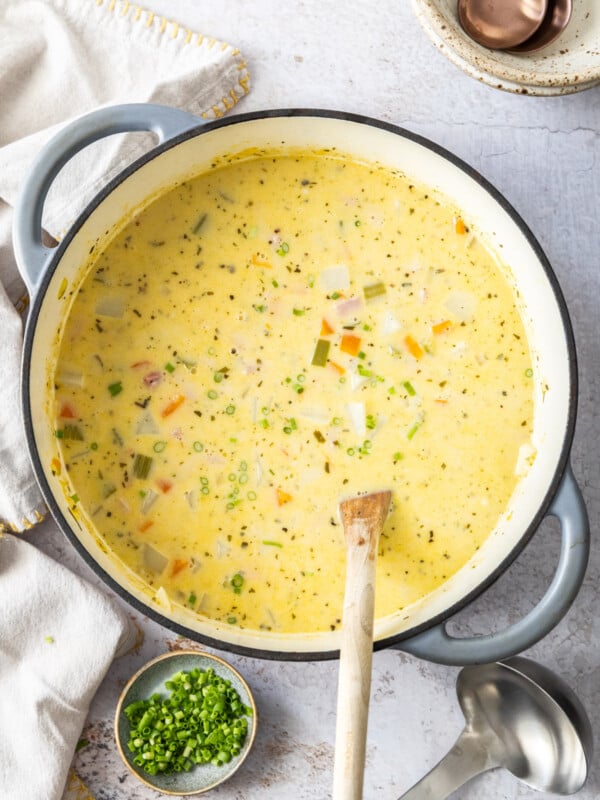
[(137, 14), (76, 789), (26, 524)]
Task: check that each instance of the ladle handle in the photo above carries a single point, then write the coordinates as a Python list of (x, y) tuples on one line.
[(438, 646), (32, 256), (467, 758)]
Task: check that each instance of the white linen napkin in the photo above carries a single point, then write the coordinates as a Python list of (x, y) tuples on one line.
[(58, 636), (59, 59)]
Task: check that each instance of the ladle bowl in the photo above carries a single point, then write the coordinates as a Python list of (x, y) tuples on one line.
[(520, 716)]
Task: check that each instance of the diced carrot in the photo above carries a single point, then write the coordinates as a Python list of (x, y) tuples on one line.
[(258, 262), (172, 406), (55, 464), (441, 327), (67, 411), (137, 364), (164, 484), (413, 347), (326, 328), (460, 226), (283, 497), (339, 369), (350, 344), (178, 565), (147, 523)]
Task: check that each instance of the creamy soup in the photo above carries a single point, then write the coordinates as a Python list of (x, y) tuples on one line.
[(266, 339)]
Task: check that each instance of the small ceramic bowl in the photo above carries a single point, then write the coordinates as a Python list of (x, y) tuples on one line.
[(569, 64), (150, 679)]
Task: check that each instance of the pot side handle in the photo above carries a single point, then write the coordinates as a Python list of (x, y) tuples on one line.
[(165, 122), (438, 646)]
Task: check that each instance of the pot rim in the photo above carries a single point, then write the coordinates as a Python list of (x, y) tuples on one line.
[(343, 116)]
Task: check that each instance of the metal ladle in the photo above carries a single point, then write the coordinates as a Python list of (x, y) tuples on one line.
[(520, 716)]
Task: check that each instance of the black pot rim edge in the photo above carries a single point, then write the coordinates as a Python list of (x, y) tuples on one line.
[(155, 152)]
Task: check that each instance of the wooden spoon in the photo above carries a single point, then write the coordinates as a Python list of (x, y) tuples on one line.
[(362, 518)]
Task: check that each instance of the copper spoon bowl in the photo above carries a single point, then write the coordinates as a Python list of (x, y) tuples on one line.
[(501, 24), (556, 20)]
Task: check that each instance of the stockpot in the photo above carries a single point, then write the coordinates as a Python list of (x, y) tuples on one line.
[(186, 146)]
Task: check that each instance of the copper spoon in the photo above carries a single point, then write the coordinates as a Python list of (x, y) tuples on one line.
[(501, 24), (556, 20), (362, 518)]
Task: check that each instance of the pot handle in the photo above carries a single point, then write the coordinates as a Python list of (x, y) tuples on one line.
[(438, 646), (30, 253)]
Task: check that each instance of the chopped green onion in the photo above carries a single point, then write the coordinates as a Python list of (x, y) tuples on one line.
[(169, 367), (115, 388), (230, 410), (231, 621), (271, 543), (159, 447), (141, 465), (237, 582), (366, 373), (261, 309), (274, 283), (198, 447), (192, 599), (93, 445), (298, 312), (218, 377), (212, 394), (81, 744), (413, 430), (203, 720), (319, 358), (357, 223), (409, 388), (374, 290), (398, 457), (529, 373), (283, 249), (251, 495), (371, 421), (49, 639)]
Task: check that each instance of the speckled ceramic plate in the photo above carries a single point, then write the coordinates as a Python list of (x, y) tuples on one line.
[(570, 64), (151, 679)]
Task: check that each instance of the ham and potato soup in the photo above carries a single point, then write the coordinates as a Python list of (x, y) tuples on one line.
[(281, 332)]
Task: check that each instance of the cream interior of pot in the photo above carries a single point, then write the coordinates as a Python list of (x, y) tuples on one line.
[(539, 307)]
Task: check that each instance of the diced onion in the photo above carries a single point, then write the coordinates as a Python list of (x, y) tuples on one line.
[(70, 377), (110, 306), (148, 501), (314, 414), (191, 498), (335, 278), (154, 560), (356, 412), (389, 324), (346, 308), (146, 425), (162, 599), (462, 305), (356, 380)]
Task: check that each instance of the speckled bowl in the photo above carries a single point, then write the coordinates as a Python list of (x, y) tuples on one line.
[(569, 64), (151, 679)]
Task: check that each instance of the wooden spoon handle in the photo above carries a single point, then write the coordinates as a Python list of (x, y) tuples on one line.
[(362, 528)]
